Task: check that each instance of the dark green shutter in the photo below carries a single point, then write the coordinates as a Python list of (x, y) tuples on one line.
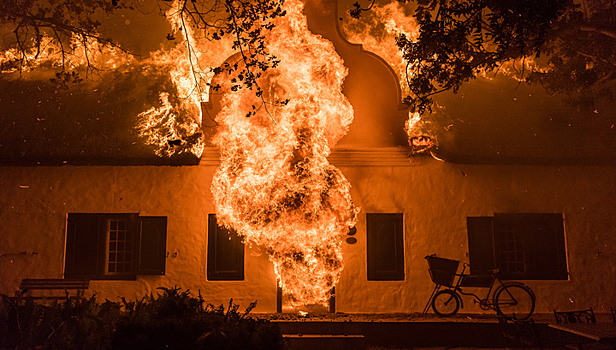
[(542, 236), (550, 255), (83, 246), (225, 253), (152, 247), (385, 240), (480, 244)]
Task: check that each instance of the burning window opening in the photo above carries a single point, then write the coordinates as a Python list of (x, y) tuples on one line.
[(420, 131), (421, 144), (275, 186)]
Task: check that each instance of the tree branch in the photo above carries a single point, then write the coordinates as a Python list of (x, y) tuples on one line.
[(595, 29)]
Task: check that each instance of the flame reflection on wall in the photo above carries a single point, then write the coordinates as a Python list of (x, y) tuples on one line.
[(275, 186)]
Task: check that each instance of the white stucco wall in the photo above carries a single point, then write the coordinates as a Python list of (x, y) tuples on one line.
[(435, 198)]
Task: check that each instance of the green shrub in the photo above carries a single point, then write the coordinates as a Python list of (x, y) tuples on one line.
[(171, 320), (73, 324)]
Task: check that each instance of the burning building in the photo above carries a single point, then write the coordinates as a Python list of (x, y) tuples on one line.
[(320, 200)]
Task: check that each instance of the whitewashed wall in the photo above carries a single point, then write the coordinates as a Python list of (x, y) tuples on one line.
[(435, 197)]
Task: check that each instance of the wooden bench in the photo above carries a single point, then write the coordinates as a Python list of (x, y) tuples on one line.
[(50, 284)]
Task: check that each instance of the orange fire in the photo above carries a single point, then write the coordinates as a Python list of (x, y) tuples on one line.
[(177, 119), (421, 133), (79, 53), (377, 31), (275, 186), (170, 122), (188, 64)]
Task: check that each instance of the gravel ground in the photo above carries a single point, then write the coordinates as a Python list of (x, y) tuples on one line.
[(389, 317)]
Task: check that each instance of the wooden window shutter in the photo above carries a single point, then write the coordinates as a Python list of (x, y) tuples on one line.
[(83, 246), (480, 244), (225, 253), (542, 236), (550, 257), (385, 240), (152, 248), (510, 241)]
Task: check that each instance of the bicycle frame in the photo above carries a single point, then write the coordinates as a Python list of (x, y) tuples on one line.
[(485, 303)]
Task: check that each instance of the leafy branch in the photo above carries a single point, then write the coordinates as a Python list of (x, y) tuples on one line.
[(34, 21), (247, 23), (460, 39)]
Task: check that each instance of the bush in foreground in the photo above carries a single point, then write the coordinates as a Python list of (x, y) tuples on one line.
[(171, 320)]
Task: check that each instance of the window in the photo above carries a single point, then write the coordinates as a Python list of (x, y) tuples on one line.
[(115, 246), (119, 252), (225, 253), (385, 240), (521, 246)]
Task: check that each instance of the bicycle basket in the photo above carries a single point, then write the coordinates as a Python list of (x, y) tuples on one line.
[(442, 271)]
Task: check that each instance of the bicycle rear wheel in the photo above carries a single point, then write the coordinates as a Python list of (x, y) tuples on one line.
[(446, 303), (514, 299)]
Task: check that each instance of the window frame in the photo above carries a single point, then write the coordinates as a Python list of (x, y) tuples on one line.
[(87, 245), (129, 229), (376, 254), (233, 251)]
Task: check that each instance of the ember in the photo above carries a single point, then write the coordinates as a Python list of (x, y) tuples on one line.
[(275, 186)]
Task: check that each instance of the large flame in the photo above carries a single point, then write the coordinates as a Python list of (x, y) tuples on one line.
[(83, 52), (275, 186), (377, 31), (173, 126)]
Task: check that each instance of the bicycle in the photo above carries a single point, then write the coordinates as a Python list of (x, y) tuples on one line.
[(509, 298)]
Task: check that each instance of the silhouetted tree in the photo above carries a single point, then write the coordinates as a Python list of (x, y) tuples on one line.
[(32, 22), (567, 48)]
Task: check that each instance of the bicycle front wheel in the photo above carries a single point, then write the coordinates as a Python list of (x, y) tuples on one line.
[(446, 303), (514, 299)]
